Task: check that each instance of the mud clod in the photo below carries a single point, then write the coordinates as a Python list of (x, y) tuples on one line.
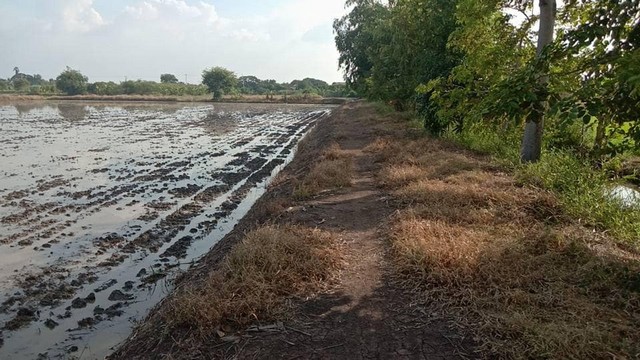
[(23, 318), (78, 303), (51, 324), (106, 285), (91, 298), (86, 322), (117, 295), (142, 272)]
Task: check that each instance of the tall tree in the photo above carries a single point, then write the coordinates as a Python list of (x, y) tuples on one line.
[(72, 82), (532, 140), (168, 79), (219, 81)]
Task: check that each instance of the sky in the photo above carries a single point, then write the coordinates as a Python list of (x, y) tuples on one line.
[(110, 40)]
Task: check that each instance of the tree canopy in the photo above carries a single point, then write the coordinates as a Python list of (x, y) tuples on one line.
[(168, 79), (72, 82), (465, 64), (219, 81)]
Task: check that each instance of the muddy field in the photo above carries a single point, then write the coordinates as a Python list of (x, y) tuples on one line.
[(102, 205)]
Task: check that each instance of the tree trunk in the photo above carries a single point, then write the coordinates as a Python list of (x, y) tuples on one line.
[(532, 141)]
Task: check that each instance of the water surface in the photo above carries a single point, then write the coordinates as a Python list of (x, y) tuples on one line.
[(101, 205)]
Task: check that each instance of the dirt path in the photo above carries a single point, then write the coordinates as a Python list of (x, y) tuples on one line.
[(367, 316)]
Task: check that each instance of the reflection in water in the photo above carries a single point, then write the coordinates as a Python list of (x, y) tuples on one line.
[(27, 107), (73, 112)]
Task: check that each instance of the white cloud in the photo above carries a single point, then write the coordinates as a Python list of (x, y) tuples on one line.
[(140, 39), (248, 36), (80, 16), (173, 11), (143, 11)]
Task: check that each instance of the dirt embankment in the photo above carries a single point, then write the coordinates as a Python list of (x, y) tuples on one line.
[(399, 239), (355, 310)]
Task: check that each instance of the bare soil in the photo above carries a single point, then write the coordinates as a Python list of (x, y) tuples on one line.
[(366, 314)]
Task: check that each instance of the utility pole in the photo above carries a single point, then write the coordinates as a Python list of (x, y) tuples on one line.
[(186, 79)]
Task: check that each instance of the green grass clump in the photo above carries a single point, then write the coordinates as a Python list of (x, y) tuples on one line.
[(583, 191), (584, 194), (501, 144)]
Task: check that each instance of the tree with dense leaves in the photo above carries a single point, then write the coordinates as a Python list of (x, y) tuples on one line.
[(583, 86), (387, 49), (72, 82), (219, 81), (168, 79)]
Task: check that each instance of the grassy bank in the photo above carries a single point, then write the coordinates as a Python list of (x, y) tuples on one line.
[(582, 190), (271, 265), (526, 258)]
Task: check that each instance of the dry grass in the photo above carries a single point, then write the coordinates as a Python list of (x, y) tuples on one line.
[(378, 146), (333, 170), (504, 261), (403, 174), (271, 265)]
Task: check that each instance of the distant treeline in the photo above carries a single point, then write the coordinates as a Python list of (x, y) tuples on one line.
[(72, 82)]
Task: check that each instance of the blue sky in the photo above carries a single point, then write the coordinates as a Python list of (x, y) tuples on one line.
[(140, 39)]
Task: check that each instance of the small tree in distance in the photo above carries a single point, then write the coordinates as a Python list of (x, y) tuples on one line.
[(72, 82), (219, 81), (168, 79)]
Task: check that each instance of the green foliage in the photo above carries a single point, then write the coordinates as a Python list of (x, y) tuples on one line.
[(168, 79), (105, 88), (503, 143), (45, 89), (251, 85), (140, 87), (592, 93), (4, 85), (21, 84), (387, 50), (219, 81), (72, 82), (355, 36), (584, 193)]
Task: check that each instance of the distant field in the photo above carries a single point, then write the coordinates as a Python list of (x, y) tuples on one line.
[(293, 99)]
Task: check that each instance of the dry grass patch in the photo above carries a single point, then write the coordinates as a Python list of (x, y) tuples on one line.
[(378, 145), (399, 175), (441, 193), (256, 279), (333, 170), (440, 252), (535, 293), (505, 262)]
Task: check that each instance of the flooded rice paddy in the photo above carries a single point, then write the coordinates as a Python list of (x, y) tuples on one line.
[(102, 205)]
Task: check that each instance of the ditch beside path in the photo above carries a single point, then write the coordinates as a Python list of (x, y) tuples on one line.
[(367, 315)]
